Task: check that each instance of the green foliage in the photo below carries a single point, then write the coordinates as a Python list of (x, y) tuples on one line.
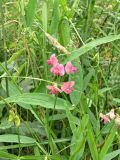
[(65, 32), (112, 155), (92, 143), (6, 155), (108, 142), (78, 87), (41, 99), (30, 12), (84, 49), (15, 139), (55, 18)]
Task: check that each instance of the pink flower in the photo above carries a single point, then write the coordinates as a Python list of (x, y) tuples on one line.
[(67, 87), (53, 60), (58, 69), (111, 114), (70, 69), (104, 118), (53, 89)]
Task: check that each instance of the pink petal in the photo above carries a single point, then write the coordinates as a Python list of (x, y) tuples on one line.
[(69, 68), (53, 89), (61, 70), (58, 69), (104, 118), (67, 87), (53, 60), (74, 69)]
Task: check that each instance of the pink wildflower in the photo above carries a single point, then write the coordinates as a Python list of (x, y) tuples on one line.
[(67, 87), (58, 69), (70, 69), (104, 118), (53, 89), (53, 60), (111, 114)]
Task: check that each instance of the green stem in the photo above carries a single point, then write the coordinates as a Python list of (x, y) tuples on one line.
[(53, 112), (4, 44), (89, 20), (19, 141)]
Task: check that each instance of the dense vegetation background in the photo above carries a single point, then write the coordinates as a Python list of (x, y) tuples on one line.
[(35, 125)]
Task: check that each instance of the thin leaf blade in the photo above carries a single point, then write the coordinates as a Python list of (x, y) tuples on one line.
[(30, 12), (41, 99), (84, 49)]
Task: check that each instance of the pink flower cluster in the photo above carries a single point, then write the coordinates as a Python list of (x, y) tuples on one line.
[(59, 70), (107, 117)]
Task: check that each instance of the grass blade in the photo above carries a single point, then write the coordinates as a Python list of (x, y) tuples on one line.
[(65, 32), (91, 142), (112, 155), (30, 12), (8, 156), (84, 49), (55, 18), (108, 143)]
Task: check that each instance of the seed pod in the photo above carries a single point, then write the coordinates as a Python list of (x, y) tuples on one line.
[(11, 116), (17, 121)]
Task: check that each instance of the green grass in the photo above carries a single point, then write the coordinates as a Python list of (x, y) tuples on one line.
[(35, 125)]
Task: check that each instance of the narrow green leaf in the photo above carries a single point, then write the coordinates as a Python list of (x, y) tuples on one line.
[(88, 77), (112, 155), (41, 99), (55, 18), (30, 12), (117, 100), (73, 8), (103, 90), (79, 139), (91, 142), (44, 15), (65, 32), (71, 119), (84, 49), (107, 143), (42, 157), (78, 149), (78, 87), (106, 129), (22, 7), (57, 117), (8, 156), (14, 90), (13, 138), (15, 56)]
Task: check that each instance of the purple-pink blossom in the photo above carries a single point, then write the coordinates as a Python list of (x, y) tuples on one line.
[(53, 89), (69, 68), (53, 60), (58, 69), (104, 118), (67, 87), (107, 117)]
